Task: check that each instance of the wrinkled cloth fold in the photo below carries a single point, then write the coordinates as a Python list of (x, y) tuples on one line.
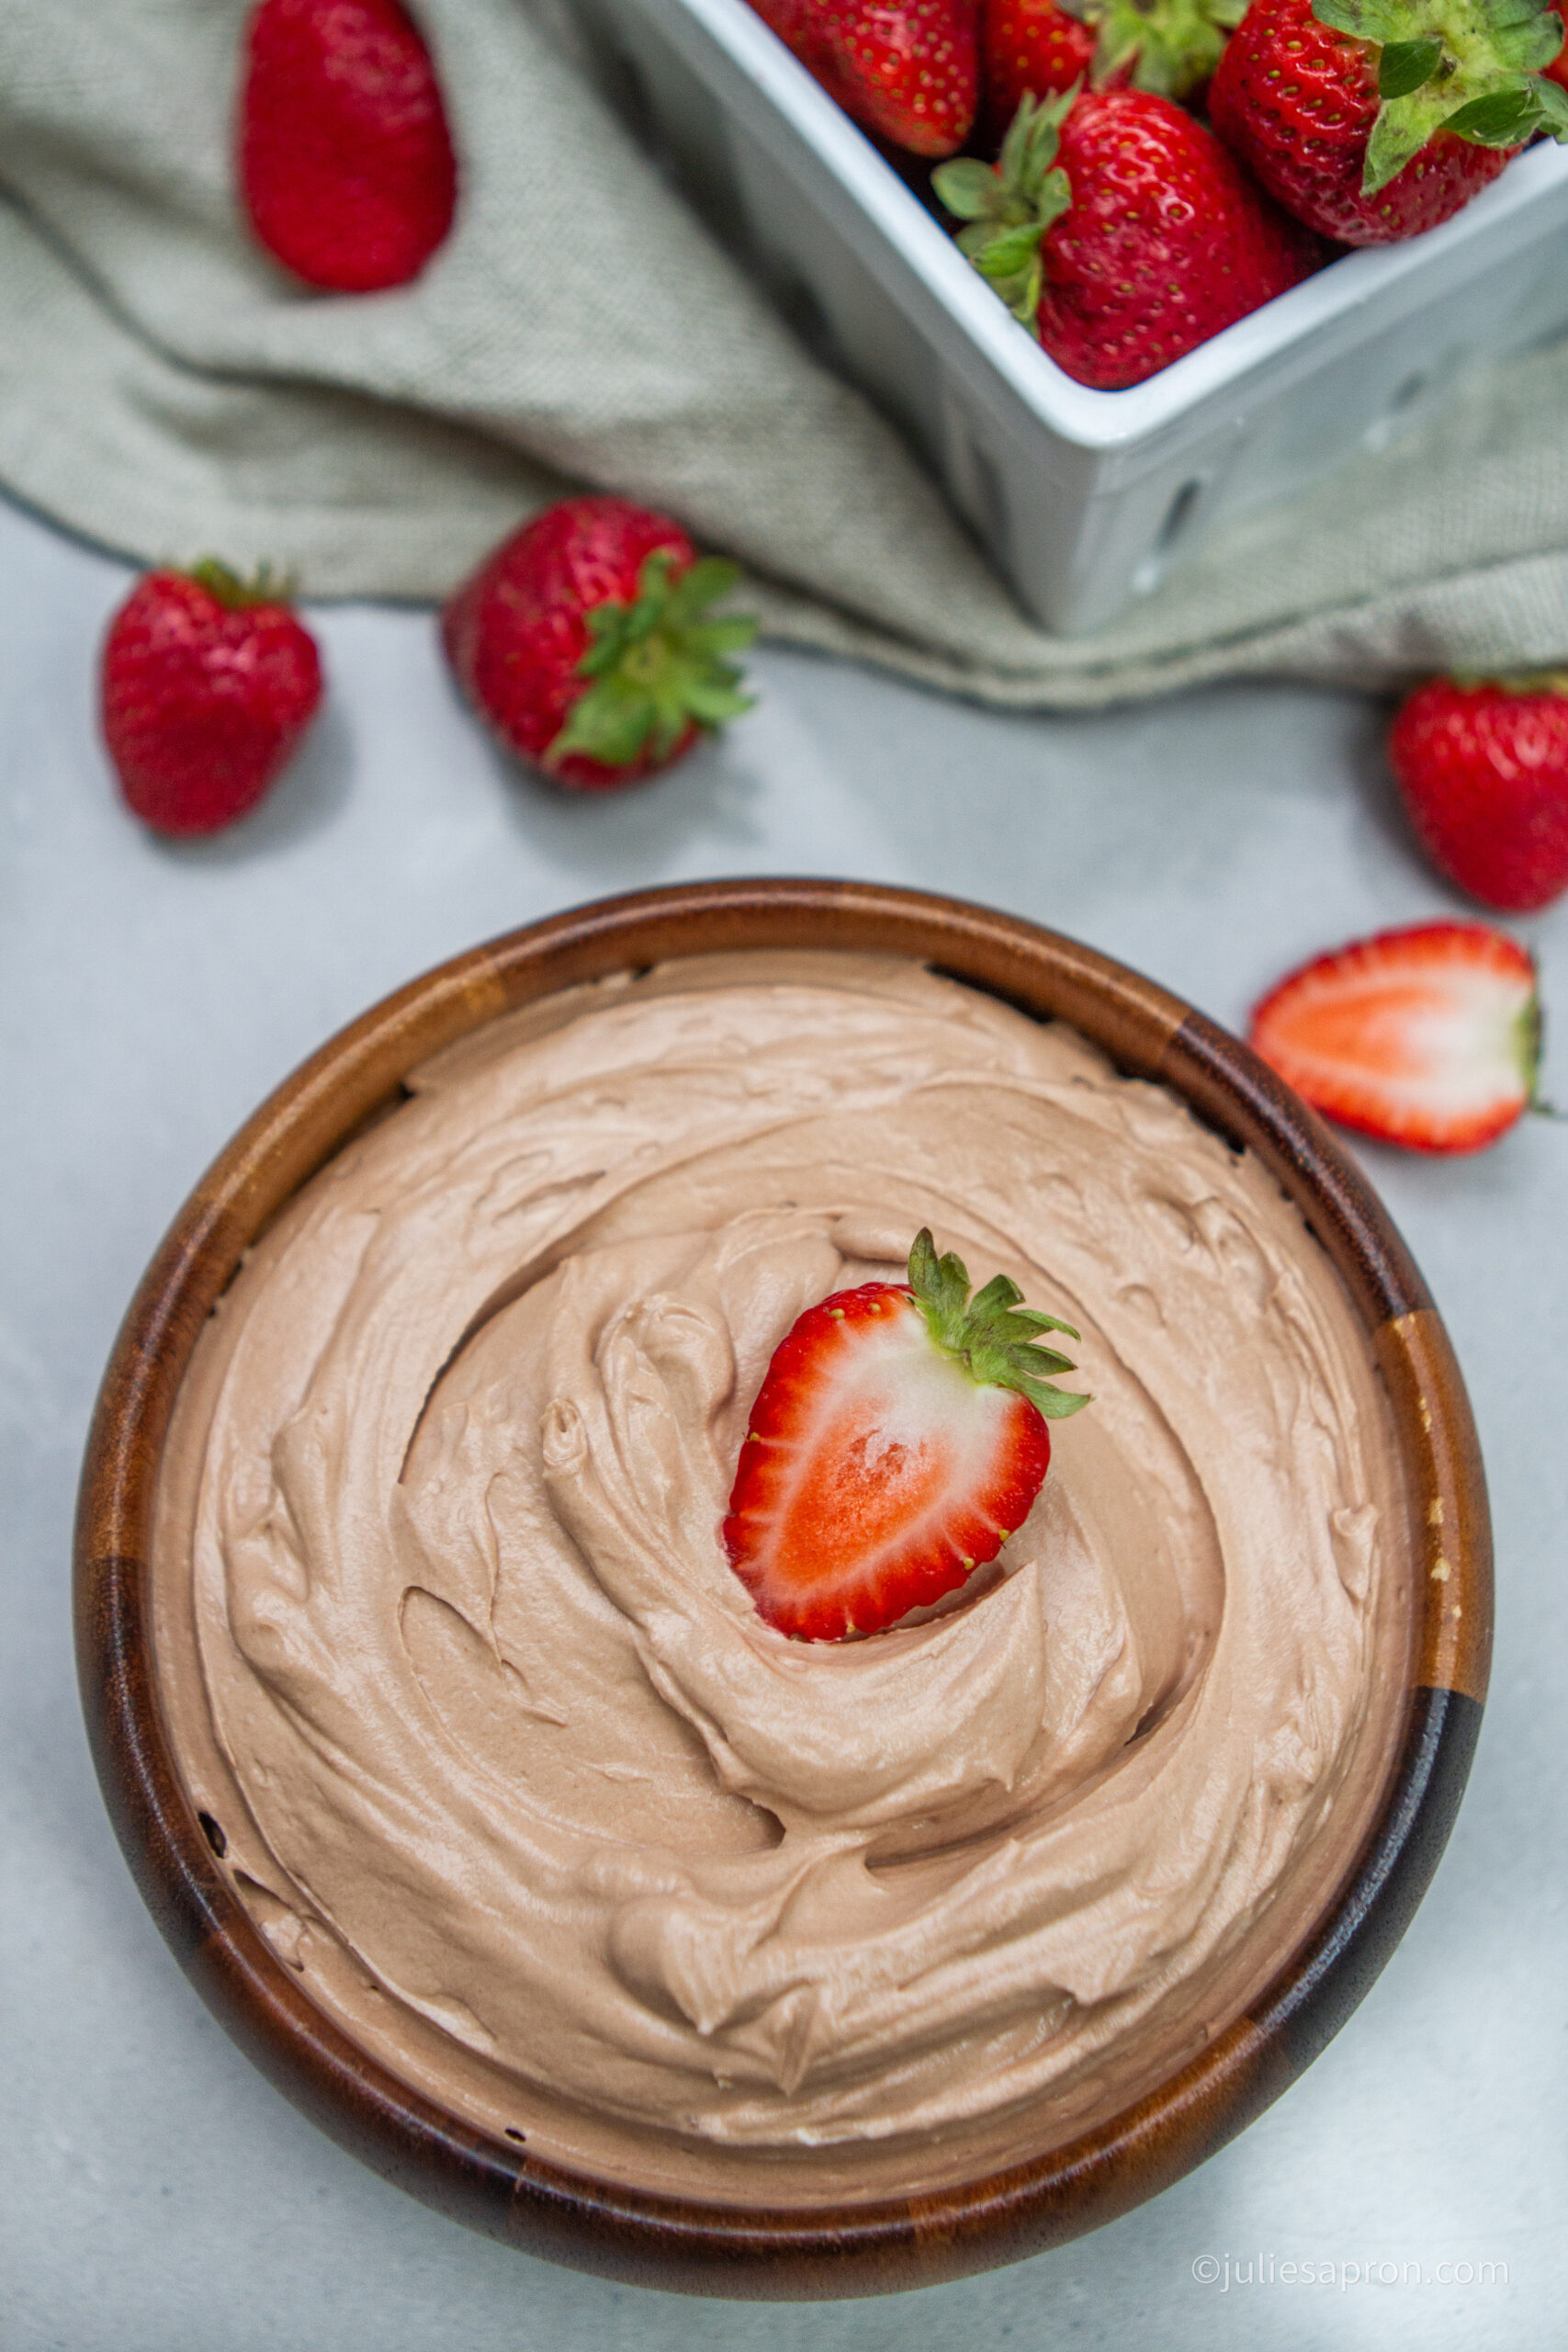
[(165, 391)]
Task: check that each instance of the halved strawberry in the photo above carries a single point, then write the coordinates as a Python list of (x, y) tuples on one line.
[(1428, 1037), (898, 1439)]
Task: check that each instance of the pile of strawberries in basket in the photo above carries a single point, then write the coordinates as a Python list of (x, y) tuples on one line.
[(1110, 215)]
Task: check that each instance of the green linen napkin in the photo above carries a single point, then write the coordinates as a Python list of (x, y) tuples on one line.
[(165, 391)]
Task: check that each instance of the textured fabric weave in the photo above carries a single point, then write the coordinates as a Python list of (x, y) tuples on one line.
[(165, 391)]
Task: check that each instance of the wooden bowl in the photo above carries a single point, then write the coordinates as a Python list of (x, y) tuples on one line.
[(596, 2224)]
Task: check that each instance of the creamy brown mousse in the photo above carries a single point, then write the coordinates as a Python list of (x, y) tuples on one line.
[(504, 1762)]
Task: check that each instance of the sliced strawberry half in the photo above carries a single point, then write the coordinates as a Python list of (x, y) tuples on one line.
[(1428, 1037), (898, 1439)]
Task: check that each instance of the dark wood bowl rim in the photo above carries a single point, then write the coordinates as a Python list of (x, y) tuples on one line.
[(492, 2183)]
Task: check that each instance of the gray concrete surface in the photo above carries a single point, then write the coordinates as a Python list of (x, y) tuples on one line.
[(157, 2195)]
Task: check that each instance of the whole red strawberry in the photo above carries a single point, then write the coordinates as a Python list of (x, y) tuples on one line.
[(1428, 1037), (1375, 119), (207, 684), (898, 1439), (1123, 232), (1028, 49), (586, 642), (1483, 771), (908, 70), (345, 161), (1033, 48)]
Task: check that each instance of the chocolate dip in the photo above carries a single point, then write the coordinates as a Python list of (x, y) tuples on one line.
[(504, 1762)]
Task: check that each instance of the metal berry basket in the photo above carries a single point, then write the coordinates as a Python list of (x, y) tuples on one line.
[(1083, 499)]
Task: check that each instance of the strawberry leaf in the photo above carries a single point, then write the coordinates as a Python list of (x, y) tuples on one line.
[(1406, 65), (1010, 207), (1362, 20), (966, 187), (1524, 34), (1038, 1320), (1467, 66), (1403, 128), (1167, 46), (1508, 117), (237, 595), (1515, 682), (1501, 118), (658, 666), (993, 1336)]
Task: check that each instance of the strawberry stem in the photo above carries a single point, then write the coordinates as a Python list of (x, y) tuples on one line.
[(994, 1336), (657, 665)]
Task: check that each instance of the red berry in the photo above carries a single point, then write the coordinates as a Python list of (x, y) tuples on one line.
[(1298, 101), (207, 688), (584, 642), (908, 70), (1426, 1037), (1150, 238), (897, 1440), (1165, 242), (345, 161), (1483, 771), (1032, 47), (1028, 49)]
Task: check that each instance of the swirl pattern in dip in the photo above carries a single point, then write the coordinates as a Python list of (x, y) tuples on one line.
[(507, 1764)]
